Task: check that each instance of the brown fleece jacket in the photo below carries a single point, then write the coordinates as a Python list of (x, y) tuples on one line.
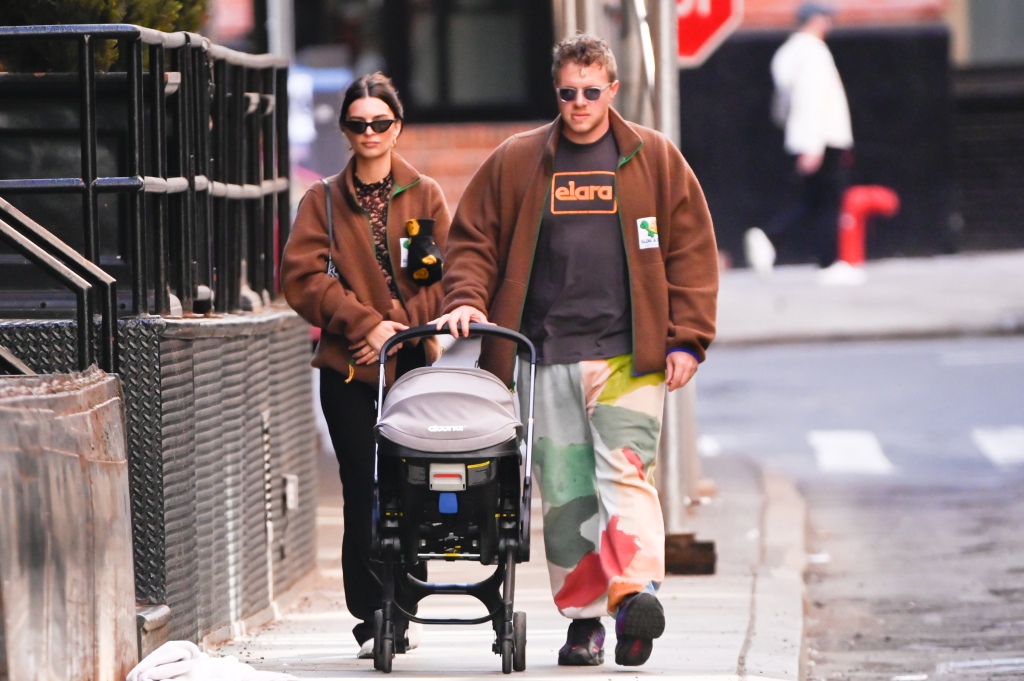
[(673, 286), (347, 308)]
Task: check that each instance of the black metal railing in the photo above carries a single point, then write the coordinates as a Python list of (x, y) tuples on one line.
[(202, 165), (74, 271)]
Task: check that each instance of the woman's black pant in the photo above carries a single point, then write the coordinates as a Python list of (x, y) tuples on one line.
[(351, 413)]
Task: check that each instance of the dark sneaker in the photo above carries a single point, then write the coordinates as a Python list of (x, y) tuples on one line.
[(640, 620), (584, 646)]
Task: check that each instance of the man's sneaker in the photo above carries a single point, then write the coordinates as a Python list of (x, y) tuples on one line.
[(759, 251), (640, 620), (584, 646), (365, 650)]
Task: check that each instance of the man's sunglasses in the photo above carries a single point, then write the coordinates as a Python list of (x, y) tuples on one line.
[(359, 127), (568, 94)]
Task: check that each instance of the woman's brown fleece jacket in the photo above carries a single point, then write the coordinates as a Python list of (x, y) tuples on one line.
[(347, 308), (673, 287)]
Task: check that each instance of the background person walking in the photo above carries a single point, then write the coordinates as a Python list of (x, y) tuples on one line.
[(810, 105)]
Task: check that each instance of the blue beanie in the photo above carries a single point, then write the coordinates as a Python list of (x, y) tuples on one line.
[(811, 9)]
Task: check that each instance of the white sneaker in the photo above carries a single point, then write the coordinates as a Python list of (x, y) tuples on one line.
[(365, 650), (759, 251), (842, 273), (413, 635)]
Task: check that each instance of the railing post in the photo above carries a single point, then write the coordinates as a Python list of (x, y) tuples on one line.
[(87, 123), (218, 172), (158, 92), (284, 208), (200, 92), (268, 146), (137, 199)]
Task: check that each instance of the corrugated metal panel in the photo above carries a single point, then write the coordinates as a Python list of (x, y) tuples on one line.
[(179, 427), (292, 433), (139, 344), (257, 374), (232, 447), (210, 485)]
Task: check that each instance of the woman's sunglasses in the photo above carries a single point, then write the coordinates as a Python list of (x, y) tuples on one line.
[(359, 127), (568, 94)]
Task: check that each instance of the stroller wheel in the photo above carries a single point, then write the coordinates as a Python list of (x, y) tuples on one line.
[(519, 641), (506, 657), (383, 648)]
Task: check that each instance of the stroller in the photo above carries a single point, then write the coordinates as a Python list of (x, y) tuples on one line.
[(448, 486)]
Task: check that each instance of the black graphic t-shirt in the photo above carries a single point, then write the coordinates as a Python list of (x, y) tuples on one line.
[(577, 307)]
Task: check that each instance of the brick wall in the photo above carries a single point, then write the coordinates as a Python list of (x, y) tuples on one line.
[(780, 13), (451, 153)]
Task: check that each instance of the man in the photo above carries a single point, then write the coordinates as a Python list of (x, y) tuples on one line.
[(810, 104), (592, 236)]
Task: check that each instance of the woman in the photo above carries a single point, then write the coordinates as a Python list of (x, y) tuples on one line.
[(370, 298)]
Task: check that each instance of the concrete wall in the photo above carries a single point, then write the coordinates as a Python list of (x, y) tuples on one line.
[(66, 579)]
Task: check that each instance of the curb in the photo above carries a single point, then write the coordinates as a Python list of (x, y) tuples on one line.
[(774, 647)]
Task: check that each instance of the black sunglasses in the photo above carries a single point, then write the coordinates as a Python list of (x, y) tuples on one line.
[(568, 94), (378, 126)]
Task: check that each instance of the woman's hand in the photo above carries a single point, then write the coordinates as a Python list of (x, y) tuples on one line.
[(367, 350), (459, 320)]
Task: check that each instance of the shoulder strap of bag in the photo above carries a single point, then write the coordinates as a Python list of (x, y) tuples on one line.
[(330, 228)]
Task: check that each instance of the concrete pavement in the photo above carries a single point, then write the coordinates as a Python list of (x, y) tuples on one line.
[(744, 622)]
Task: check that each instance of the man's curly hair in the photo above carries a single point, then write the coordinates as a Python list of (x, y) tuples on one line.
[(585, 50)]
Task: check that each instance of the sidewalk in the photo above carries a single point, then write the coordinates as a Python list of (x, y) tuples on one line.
[(974, 294), (745, 621)]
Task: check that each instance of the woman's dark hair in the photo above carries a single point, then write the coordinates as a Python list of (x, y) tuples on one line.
[(371, 85)]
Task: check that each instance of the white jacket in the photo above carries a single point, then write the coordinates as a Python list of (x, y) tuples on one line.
[(809, 96)]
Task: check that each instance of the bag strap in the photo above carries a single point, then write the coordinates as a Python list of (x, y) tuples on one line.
[(331, 270), (330, 216)]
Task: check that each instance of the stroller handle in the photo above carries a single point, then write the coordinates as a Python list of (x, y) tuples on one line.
[(475, 329)]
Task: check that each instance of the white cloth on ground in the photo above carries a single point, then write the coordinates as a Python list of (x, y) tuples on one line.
[(183, 661)]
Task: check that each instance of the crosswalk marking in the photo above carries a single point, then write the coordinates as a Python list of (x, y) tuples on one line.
[(860, 451), (1003, 446), (849, 451)]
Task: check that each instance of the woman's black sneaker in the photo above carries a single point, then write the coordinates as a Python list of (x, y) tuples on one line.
[(584, 645), (639, 621)]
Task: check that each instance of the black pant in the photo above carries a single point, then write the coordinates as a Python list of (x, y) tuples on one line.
[(351, 413), (811, 225)]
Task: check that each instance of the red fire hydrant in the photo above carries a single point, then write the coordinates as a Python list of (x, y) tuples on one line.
[(861, 202)]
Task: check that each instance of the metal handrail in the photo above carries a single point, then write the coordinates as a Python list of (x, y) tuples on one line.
[(66, 276), (42, 239)]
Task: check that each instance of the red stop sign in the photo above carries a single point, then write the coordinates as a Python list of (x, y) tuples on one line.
[(703, 25)]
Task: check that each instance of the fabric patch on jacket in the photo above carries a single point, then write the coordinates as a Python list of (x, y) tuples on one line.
[(647, 230)]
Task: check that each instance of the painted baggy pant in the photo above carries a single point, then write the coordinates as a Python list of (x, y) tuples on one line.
[(596, 436)]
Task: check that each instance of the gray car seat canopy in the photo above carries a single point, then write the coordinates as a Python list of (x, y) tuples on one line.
[(449, 409)]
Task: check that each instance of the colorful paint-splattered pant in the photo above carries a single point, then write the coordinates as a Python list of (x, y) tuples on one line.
[(596, 436)]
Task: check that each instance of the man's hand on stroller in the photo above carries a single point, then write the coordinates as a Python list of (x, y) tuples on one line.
[(459, 319), (366, 350)]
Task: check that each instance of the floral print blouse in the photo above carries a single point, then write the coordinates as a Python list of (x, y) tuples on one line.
[(374, 200)]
